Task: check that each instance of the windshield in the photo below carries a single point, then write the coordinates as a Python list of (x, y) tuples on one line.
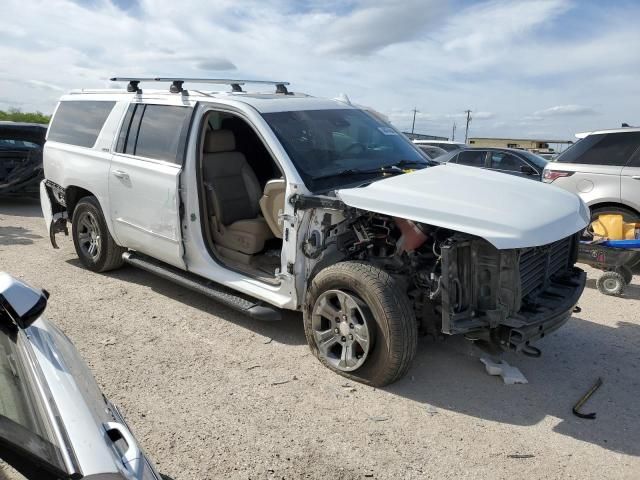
[(324, 143)]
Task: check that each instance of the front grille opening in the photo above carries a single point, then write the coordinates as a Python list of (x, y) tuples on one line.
[(539, 264)]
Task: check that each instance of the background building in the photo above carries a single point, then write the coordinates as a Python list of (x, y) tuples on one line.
[(533, 145), (422, 136)]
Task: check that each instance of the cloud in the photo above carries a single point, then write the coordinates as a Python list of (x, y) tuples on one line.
[(215, 64), (501, 59), (373, 27)]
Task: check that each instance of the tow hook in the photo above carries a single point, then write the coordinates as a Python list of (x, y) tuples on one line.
[(582, 401), (530, 351)]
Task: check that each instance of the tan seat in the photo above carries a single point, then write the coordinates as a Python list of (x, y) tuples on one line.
[(272, 204), (233, 195)]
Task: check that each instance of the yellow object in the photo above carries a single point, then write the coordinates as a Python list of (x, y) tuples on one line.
[(613, 227)]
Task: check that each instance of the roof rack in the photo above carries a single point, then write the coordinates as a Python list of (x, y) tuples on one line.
[(176, 83)]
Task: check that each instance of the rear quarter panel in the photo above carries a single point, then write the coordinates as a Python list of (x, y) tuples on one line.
[(593, 183), (88, 168)]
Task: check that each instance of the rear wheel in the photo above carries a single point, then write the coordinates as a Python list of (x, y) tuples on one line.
[(611, 283), (628, 215), (96, 248), (360, 324)]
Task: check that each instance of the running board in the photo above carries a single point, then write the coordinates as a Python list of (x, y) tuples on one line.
[(228, 297)]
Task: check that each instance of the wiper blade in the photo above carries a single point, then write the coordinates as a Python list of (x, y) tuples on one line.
[(389, 170)]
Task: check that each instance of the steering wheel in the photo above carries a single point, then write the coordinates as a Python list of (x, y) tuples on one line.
[(353, 146)]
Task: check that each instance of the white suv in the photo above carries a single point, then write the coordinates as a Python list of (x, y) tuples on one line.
[(269, 201)]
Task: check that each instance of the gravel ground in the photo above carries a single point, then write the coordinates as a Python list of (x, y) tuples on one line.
[(213, 394)]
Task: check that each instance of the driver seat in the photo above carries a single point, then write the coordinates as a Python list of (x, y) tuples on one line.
[(233, 195)]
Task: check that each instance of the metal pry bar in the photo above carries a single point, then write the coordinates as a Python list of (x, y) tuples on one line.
[(176, 82), (582, 401)]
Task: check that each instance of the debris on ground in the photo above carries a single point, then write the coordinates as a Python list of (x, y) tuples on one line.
[(379, 419), (510, 375), (521, 455), (582, 401)]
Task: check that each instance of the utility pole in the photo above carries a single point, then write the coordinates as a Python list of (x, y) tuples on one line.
[(466, 130), (413, 125), (453, 132)]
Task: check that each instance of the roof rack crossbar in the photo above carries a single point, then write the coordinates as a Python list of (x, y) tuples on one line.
[(176, 83)]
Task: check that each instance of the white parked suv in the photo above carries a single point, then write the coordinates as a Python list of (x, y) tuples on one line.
[(269, 201)]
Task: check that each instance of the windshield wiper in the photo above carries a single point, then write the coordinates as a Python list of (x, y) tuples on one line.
[(349, 172)]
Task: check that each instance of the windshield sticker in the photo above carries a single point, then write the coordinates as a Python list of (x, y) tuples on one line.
[(387, 130)]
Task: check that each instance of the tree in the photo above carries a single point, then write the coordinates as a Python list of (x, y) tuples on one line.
[(16, 115)]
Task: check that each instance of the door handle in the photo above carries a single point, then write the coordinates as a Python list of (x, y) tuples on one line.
[(132, 456), (120, 174), (636, 177)]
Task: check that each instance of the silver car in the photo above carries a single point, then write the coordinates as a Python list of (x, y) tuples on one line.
[(604, 169), (55, 423)]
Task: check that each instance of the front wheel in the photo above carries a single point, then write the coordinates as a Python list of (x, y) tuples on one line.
[(360, 323), (96, 248)]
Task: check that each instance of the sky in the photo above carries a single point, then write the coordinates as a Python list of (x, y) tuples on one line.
[(526, 69)]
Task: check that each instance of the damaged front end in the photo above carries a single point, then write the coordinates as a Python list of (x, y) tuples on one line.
[(509, 298), (459, 283)]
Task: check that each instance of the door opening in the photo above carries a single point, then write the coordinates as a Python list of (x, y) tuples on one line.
[(243, 193)]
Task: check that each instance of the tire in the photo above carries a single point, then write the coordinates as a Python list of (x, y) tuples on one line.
[(626, 273), (89, 227), (611, 283), (628, 215), (377, 305)]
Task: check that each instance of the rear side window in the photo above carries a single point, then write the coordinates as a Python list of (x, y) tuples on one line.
[(155, 131), (613, 149), (79, 122), (472, 158)]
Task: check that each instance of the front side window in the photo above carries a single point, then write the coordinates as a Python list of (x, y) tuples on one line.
[(614, 149), (505, 161), (324, 143), (472, 158), (79, 122)]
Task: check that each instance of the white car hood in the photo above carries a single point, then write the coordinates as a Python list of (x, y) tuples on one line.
[(507, 211)]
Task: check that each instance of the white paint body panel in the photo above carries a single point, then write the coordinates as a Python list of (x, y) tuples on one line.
[(506, 211), (144, 204)]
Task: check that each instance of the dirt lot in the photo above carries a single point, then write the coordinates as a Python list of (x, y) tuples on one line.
[(211, 393)]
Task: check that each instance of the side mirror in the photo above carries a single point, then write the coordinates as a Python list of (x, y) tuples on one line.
[(528, 170), (22, 303)]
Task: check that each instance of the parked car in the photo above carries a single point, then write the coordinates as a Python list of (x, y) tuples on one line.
[(603, 167), (447, 145), (432, 151), (269, 201), (21, 157), (55, 423), (504, 160)]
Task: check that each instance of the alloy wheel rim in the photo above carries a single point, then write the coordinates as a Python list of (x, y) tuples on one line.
[(89, 235), (610, 284), (340, 325)]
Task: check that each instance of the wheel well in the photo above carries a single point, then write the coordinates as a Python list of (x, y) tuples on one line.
[(621, 206), (72, 196)]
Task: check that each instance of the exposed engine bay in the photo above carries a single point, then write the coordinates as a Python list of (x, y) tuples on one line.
[(458, 283)]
